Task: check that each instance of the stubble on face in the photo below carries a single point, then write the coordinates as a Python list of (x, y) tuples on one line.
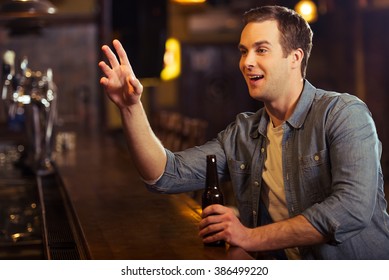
[(263, 63)]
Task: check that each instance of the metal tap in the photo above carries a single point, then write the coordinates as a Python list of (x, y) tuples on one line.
[(35, 94)]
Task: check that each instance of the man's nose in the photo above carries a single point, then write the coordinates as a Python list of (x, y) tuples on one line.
[(249, 60)]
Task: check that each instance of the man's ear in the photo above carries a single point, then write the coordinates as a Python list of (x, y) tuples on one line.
[(297, 58)]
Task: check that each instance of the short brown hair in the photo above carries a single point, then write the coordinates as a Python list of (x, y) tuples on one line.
[(295, 31)]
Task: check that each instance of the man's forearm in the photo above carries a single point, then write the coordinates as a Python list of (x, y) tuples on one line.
[(293, 232), (145, 148)]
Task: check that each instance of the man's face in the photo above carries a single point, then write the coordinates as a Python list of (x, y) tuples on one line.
[(263, 63)]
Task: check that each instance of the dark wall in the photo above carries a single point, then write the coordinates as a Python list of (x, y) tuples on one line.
[(141, 26), (212, 87), (376, 46)]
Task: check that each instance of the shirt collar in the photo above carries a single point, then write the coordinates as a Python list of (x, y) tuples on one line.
[(303, 105), (299, 115)]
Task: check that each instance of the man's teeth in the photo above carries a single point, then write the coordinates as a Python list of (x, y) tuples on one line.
[(256, 77)]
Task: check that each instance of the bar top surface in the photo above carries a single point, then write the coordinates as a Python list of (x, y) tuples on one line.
[(119, 217)]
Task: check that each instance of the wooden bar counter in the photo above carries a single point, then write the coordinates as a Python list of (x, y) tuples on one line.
[(119, 218)]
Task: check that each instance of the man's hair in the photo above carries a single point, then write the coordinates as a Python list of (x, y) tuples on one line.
[(295, 31)]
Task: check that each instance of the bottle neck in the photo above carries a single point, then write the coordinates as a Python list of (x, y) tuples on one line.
[(212, 181)]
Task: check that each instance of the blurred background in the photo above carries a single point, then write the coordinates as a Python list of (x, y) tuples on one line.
[(195, 77), (68, 189)]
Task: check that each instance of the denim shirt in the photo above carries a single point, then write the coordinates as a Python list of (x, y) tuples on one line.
[(331, 169)]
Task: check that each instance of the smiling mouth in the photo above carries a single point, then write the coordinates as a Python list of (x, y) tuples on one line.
[(256, 77)]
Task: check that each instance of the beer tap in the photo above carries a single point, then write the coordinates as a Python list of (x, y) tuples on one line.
[(36, 94)]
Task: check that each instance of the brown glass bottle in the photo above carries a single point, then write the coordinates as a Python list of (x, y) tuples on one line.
[(212, 193)]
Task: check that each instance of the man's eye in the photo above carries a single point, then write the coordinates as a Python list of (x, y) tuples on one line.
[(243, 52), (261, 51)]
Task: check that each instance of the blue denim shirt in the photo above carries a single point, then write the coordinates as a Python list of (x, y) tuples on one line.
[(331, 169)]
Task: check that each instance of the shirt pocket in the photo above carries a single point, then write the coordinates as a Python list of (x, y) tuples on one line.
[(238, 167), (315, 176), (240, 173)]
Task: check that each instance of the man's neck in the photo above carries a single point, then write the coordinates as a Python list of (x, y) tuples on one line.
[(281, 109)]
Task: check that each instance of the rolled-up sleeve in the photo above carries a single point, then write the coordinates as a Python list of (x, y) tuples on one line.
[(185, 171)]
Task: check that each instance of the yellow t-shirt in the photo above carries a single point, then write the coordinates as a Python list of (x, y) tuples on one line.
[(273, 192)]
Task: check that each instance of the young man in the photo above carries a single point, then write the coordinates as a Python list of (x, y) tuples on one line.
[(305, 169)]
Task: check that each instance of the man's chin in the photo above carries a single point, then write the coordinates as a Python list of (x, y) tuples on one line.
[(257, 95)]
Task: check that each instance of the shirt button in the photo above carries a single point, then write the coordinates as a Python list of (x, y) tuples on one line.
[(255, 213), (242, 166), (316, 157), (262, 150), (256, 183)]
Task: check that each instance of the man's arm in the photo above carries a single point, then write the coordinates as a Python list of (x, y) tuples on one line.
[(145, 148), (293, 232), (125, 90)]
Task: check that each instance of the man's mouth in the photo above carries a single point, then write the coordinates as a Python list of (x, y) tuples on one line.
[(255, 77)]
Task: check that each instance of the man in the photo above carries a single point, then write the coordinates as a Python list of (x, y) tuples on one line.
[(305, 169)]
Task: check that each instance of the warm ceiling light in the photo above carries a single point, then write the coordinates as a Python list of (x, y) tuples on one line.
[(27, 7), (172, 60), (189, 1), (307, 9)]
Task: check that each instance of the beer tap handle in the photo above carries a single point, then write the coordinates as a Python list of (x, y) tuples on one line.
[(24, 65)]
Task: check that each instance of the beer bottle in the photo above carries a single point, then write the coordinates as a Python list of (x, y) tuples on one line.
[(212, 193)]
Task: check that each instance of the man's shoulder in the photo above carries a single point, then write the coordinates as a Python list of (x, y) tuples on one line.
[(337, 106), (344, 96), (338, 99), (323, 95)]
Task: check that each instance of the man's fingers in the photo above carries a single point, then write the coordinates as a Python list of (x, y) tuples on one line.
[(113, 61), (105, 68), (135, 84), (211, 230), (104, 81), (213, 209), (122, 55)]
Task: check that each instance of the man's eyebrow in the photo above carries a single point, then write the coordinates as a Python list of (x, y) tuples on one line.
[(241, 46), (256, 44)]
